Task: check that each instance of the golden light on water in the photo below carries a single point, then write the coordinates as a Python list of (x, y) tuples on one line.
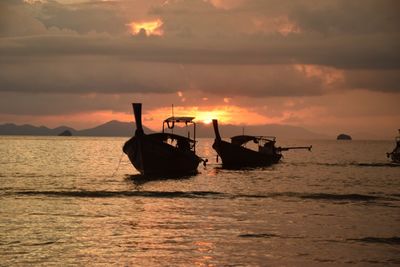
[(152, 27)]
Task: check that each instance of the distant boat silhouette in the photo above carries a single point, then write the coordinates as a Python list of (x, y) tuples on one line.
[(235, 155), (395, 154), (162, 153)]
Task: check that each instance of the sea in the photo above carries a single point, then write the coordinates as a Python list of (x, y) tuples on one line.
[(78, 201)]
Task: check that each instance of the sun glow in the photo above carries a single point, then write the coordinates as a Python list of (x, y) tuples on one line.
[(152, 27), (224, 114), (206, 117)]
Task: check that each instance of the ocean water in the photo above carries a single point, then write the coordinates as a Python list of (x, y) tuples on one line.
[(77, 201)]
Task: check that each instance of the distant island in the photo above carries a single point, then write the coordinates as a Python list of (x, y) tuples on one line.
[(126, 129), (65, 133), (343, 137)]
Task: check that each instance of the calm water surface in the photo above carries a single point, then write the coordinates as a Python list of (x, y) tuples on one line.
[(70, 201)]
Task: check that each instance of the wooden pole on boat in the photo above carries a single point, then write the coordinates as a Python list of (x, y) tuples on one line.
[(194, 136), (294, 147), (216, 130), (173, 118), (137, 110)]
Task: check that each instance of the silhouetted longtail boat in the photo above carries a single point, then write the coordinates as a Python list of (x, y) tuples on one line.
[(395, 154), (162, 153), (236, 155)]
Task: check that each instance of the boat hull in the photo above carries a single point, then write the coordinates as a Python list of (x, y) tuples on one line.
[(154, 158), (235, 156)]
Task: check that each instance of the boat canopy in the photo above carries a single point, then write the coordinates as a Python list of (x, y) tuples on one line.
[(180, 119), (242, 139), (170, 122)]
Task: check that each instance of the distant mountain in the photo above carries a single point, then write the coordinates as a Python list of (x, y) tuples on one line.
[(26, 129), (118, 128), (111, 128)]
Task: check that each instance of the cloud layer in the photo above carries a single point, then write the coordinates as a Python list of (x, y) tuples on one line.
[(238, 49), (71, 48)]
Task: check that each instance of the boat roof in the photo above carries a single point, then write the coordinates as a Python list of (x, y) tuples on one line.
[(242, 139), (179, 119)]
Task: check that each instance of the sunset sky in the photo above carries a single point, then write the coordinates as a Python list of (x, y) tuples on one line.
[(329, 66)]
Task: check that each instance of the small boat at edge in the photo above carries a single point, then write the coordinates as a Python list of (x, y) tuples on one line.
[(162, 153), (395, 154)]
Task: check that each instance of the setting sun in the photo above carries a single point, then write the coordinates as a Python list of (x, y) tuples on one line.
[(207, 120), (152, 27), (207, 116)]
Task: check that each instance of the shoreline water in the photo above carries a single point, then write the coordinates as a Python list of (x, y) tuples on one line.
[(62, 205)]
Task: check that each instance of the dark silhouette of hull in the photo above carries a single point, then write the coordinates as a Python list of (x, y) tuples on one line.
[(237, 156), (152, 156)]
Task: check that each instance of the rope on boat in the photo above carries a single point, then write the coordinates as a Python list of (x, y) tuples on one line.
[(119, 163)]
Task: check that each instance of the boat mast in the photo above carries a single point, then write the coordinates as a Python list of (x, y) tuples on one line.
[(194, 136), (216, 130), (137, 110), (173, 117)]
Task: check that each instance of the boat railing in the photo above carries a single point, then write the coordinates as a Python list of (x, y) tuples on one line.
[(242, 140), (170, 122)]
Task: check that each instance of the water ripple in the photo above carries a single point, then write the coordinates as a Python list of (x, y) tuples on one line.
[(103, 194), (355, 164), (210, 194), (395, 240)]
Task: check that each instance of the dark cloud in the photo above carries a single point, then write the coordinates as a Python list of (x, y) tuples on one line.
[(365, 52), (17, 20), (89, 74), (84, 18), (49, 104), (381, 80), (334, 17)]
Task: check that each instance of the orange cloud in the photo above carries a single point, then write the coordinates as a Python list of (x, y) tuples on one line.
[(327, 74), (280, 24), (152, 27), (227, 4)]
